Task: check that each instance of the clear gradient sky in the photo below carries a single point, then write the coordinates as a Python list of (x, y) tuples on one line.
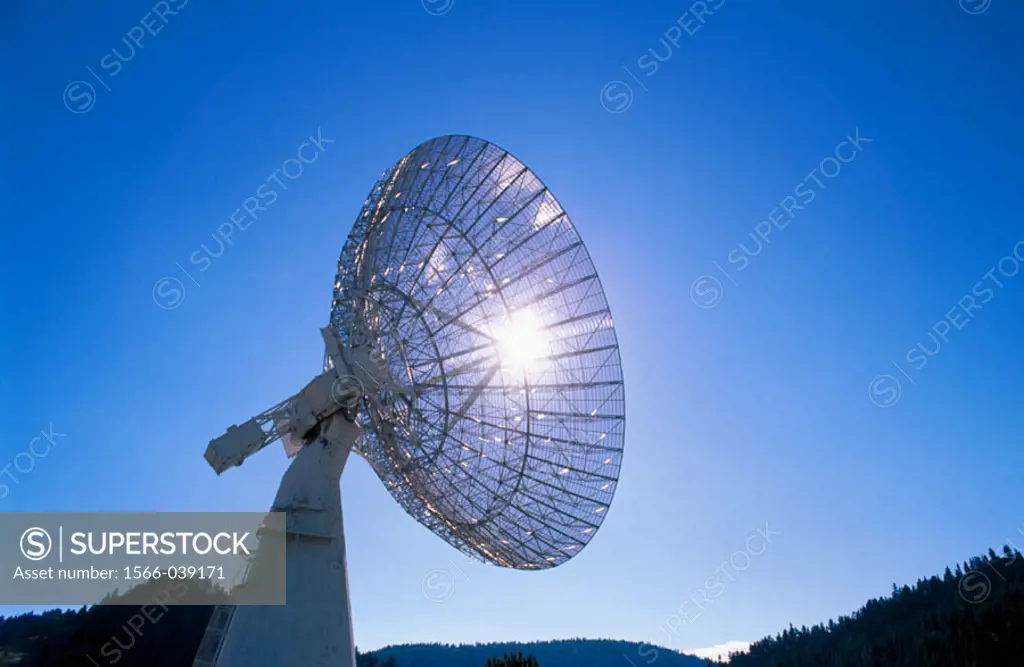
[(758, 409)]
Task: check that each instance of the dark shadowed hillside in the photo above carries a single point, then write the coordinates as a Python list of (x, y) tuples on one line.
[(169, 637), (142, 634), (970, 617), (562, 653)]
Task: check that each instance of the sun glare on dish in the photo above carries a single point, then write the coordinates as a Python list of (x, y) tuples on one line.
[(521, 341)]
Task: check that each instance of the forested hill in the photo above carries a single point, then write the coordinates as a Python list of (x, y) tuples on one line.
[(127, 636), (970, 617), (559, 653)]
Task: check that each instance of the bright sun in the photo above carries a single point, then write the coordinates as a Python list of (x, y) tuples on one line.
[(521, 341)]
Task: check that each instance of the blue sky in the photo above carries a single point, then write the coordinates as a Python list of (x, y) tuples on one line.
[(785, 395)]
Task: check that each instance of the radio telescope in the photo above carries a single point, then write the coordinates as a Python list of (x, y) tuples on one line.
[(471, 360)]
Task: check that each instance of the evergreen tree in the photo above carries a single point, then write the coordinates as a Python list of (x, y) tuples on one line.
[(512, 660)]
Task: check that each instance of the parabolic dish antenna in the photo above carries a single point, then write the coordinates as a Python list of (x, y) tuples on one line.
[(470, 279), (471, 359)]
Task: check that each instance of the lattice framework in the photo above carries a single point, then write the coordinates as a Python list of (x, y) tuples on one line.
[(514, 464)]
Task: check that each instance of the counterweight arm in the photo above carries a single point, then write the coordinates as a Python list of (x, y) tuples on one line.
[(295, 420)]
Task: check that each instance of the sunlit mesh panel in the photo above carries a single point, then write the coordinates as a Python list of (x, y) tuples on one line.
[(502, 424)]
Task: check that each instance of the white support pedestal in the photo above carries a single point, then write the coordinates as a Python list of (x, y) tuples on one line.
[(315, 628)]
